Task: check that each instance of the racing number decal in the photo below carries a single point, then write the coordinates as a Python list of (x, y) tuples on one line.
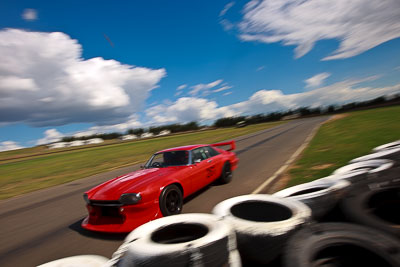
[(211, 171)]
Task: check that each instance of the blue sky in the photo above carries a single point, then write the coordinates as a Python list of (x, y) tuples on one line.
[(81, 67)]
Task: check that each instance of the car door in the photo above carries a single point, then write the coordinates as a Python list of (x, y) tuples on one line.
[(202, 168), (214, 159)]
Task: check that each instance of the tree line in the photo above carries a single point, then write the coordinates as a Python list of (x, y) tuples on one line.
[(305, 111), (254, 119), (173, 128)]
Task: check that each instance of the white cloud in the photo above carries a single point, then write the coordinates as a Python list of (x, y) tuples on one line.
[(226, 24), (131, 123), (264, 101), (9, 145), (227, 93), (223, 88), (317, 80), (214, 83), (178, 93), (340, 93), (359, 25), (44, 81), (204, 88), (50, 136), (226, 8), (12, 83), (260, 68), (187, 109), (29, 14), (181, 87)]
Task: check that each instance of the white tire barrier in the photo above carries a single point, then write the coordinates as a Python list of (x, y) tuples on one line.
[(393, 154), (395, 144), (320, 195), (372, 166), (262, 223), (377, 168), (351, 176), (180, 240)]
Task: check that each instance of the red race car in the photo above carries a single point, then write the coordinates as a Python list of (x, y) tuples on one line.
[(126, 202)]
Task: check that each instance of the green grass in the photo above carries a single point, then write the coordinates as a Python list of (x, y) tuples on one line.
[(40, 170), (339, 141)]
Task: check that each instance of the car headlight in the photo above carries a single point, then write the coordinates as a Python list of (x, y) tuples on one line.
[(130, 198), (86, 198)]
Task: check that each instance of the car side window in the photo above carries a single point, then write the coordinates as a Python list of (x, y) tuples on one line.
[(156, 162), (199, 154), (211, 151)]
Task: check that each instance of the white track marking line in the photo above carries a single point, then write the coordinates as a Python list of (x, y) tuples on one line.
[(288, 162)]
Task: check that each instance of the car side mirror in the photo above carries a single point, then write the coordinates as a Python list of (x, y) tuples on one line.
[(141, 167)]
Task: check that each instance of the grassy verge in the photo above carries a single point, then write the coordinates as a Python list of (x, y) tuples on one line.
[(18, 176), (341, 140)]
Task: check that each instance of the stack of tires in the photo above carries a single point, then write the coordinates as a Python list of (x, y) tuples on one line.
[(366, 227), (350, 218), (254, 228)]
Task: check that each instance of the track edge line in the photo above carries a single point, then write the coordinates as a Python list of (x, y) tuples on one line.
[(289, 161)]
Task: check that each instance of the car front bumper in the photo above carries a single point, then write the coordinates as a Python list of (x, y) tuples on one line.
[(120, 219)]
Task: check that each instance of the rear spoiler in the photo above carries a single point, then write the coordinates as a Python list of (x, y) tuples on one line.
[(229, 143)]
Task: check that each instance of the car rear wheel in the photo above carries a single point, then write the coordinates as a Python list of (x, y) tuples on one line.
[(226, 174), (171, 200)]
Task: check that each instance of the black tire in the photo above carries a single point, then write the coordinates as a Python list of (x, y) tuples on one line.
[(375, 205), (341, 244), (226, 174), (182, 240), (262, 224), (171, 200), (321, 195)]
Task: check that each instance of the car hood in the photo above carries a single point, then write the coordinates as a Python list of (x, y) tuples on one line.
[(134, 182)]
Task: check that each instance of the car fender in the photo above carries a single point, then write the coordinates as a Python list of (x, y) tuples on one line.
[(170, 182)]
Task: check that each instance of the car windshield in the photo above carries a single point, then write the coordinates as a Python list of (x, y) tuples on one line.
[(167, 159)]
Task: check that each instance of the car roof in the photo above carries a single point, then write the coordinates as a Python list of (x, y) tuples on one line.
[(185, 148)]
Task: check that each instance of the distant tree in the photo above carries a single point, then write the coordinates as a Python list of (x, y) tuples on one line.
[(331, 109), (155, 130), (190, 126), (68, 139), (378, 100), (304, 111), (108, 136), (138, 131), (315, 111), (228, 121)]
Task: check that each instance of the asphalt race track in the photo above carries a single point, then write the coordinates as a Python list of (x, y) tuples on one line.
[(45, 225)]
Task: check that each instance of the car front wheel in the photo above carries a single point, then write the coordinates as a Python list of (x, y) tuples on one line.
[(171, 200)]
